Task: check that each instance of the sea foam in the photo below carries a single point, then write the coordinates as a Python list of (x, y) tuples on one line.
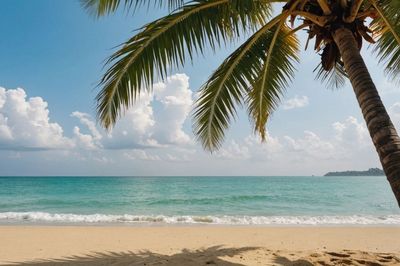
[(54, 218)]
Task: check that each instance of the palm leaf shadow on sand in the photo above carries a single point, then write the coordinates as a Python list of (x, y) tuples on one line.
[(217, 255), (280, 260), (210, 256)]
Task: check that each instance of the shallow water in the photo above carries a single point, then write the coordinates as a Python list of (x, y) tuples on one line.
[(205, 200)]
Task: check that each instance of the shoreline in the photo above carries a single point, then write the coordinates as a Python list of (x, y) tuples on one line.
[(195, 245), (50, 219), (191, 225)]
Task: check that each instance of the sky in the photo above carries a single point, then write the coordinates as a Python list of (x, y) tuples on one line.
[(52, 55)]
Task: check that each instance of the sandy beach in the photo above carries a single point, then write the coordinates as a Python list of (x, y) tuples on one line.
[(96, 245)]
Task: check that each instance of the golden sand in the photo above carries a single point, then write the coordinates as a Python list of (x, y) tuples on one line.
[(96, 245)]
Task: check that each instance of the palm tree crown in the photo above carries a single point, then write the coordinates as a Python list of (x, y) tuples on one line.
[(257, 73)]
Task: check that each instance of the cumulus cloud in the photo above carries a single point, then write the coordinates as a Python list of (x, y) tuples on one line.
[(25, 123), (157, 119), (296, 102), (154, 130), (279, 149), (85, 141), (135, 128), (234, 150), (349, 141), (310, 145), (87, 120), (251, 147), (90, 141), (138, 154), (176, 100), (351, 132)]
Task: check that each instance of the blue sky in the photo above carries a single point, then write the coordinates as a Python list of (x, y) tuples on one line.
[(53, 51)]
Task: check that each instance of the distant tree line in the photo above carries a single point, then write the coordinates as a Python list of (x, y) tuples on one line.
[(369, 172)]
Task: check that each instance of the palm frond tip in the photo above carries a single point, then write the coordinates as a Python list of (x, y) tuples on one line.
[(169, 42)]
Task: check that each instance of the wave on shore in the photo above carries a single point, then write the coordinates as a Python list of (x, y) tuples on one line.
[(44, 217)]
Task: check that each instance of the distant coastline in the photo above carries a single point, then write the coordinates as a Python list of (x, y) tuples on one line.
[(369, 172)]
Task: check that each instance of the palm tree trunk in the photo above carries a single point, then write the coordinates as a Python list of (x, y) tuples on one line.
[(380, 127)]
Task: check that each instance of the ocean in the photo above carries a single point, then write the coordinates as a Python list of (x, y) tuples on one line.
[(283, 200)]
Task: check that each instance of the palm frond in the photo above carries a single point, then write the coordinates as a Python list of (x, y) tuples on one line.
[(388, 44), (104, 7), (281, 53), (227, 86), (168, 42), (395, 4), (334, 78)]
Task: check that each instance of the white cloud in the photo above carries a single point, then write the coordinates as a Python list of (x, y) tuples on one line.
[(168, 155), (87, 120), (25, 123), (153, 130), (155, 120), (234, 150), (352, 133), (85, 141), (251, 148), (138, 154), (394, 112), (134, 129), (386, 87), (90, 141), (348, 147), (296, 102), (309, 146), (176, 100)]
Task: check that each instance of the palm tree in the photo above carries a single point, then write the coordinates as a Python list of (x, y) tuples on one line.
[(258, 72)]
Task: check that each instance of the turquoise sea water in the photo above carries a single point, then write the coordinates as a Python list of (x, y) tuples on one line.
[(205, 200)]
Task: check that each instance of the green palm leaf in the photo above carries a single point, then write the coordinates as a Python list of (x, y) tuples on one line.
[(281, 52), (334, 78), (226, 87), (388, 45), (169, 42), (395, 4)]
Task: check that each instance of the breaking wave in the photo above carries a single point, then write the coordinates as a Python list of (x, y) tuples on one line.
[(54, 218)]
